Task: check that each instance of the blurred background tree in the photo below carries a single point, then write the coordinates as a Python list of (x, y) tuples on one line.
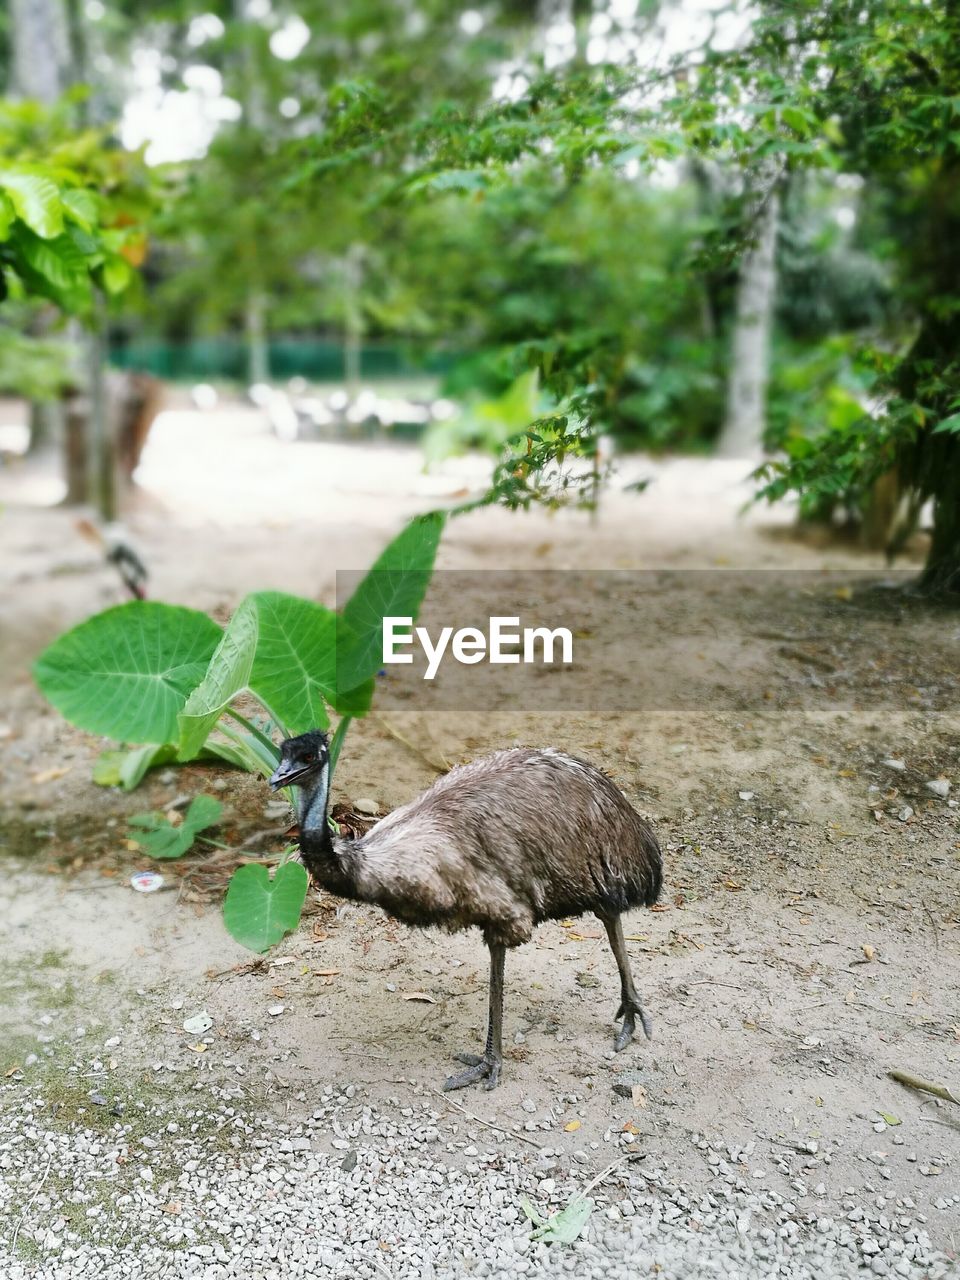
[(680, 226)]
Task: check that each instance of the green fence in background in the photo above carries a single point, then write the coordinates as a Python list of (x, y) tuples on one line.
[(225, 358)]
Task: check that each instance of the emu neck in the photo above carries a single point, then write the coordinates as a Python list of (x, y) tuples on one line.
[(316, 841)]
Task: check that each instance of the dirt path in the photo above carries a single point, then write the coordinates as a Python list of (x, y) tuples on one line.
[(808, 941)]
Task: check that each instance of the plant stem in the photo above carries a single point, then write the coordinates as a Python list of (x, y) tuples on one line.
[(337, 742), (252, 729)]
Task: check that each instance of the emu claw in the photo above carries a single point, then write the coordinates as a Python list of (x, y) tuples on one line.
[(485, 1069), (629, 1012)]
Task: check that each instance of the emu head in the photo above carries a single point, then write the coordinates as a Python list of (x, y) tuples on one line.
[(301, 760)]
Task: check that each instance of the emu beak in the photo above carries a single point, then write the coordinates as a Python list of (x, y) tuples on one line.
[(284, 775)]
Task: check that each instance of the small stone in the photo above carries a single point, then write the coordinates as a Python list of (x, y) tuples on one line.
[(364, 805), (905, 814), (275, 1010), (894, 763), (349, 1162), (746, 795), (939, 787), (529, 1105)]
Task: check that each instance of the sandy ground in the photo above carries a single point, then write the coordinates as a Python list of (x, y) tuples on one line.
[(807, 941)]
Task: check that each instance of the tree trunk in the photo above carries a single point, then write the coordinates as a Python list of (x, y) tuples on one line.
[(353, 320), (258, 350), (103, 425), (40, 48), (746, 415), (941, 574)]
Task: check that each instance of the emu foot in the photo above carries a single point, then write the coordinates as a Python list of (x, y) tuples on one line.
[(486, 1069), (629, 1011)]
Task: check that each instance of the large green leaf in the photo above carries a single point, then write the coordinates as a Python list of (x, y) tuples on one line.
[(36, 200), (281, 649), (126, 673), (394, 587), (295, 663), (82, 206), (59, 261), (227, 676), (258, 911)]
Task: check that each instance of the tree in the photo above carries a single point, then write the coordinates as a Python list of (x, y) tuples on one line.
[(883, 80)]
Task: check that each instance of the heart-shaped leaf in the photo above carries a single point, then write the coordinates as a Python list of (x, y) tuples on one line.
[(126, 673), (258, 911), (295, 663)]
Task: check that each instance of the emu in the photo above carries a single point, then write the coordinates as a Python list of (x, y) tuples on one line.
[(502, 843)]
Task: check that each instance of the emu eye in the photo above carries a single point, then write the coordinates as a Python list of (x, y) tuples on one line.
[(309, 758)]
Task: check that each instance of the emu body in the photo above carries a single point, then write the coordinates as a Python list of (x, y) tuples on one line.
[(503, 843)]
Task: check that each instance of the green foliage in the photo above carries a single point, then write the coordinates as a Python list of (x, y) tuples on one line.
[(165, 675), (126, 673), (168, 677), (394, 586), (159, 838), (34, 368), (259, 911), (127, 769), (70, 209)]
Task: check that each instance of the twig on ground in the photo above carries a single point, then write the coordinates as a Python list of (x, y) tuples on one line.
[(712, 982), (411, 746), (913, 1082), (486, 1123), (632, 1156), (933, 925), (23, 1216)]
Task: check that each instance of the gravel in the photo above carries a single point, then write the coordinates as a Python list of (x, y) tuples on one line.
[(405, 1189)]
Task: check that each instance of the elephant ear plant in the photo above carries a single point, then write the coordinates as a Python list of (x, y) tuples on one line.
[(163, 680)]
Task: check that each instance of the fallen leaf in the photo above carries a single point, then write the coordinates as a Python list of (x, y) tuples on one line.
[(892, 1121), (325, 973), (198, 1024), (843, 593), (173, 1207), (49, 775), (199, 1047), (850, 997), (868, 951), (572, 1127), (846, 773), (275, 964), (11, 1071), (639, 1095), (417, 995)]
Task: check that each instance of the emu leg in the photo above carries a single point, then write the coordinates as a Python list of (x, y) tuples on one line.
[(630, 1006), (486, 1068)]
